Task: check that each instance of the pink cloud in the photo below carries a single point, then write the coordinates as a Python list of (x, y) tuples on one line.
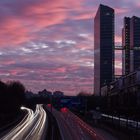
[(118, 39), (21, 28), (9, 62), (121, 10), (36, 22), (13, 32), (61, 69)]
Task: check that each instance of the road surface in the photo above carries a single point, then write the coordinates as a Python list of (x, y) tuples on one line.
[(73, 128), (31, 127)]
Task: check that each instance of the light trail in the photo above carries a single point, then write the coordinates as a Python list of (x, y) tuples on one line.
[(72, 127), (31, 127)]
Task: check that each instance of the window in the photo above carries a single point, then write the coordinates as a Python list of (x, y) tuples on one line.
[(107, 14), (105, 62)]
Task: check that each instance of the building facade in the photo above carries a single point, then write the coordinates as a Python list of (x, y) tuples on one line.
[(131, 44), (125, 92), (103, 47), (126, 46), (135, 43)]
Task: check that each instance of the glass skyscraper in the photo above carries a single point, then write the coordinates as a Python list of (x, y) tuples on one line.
[(135, 43), (131, 44), (103, 47), (126, 46)]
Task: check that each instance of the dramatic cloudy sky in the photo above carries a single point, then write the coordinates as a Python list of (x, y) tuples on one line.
[(49, 43)]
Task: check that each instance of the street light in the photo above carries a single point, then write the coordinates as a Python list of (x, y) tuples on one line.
[(85, 106), (51, 100)]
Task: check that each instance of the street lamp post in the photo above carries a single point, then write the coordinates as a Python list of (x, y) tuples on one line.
[(85, 106), (51, 101)]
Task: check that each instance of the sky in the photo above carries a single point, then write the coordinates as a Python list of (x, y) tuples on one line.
[(50, 43)]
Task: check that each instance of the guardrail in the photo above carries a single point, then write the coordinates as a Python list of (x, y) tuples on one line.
[(128, 124)]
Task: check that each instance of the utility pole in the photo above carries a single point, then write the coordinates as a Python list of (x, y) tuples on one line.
[(85, 106), (51, 101)]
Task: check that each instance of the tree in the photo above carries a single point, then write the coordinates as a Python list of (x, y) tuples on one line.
[(3, 98), (15, 95)]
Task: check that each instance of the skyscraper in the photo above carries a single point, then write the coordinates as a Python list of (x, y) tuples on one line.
[(135, 43), (126, 46), (103, 47), (131, 44)]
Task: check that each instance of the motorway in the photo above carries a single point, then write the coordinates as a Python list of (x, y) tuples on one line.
[(32, 127), (73, 128), (63, 125), (84, 131)]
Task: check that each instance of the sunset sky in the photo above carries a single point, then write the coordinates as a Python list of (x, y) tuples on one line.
[(50, 43)]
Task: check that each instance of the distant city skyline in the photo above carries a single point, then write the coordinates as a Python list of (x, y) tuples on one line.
[(49, 44)]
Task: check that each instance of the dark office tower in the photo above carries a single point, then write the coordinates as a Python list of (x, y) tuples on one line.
[(103, 47), (126, 46), (135, 43)]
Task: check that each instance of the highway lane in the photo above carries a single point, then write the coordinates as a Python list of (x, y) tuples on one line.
[(65, 131), (73, 128), (84, 131), (31, 127), (53, 132)]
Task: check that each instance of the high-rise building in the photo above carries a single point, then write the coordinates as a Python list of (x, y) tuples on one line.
[(103, 47), (126, 46), (135, 43), (131, 44)]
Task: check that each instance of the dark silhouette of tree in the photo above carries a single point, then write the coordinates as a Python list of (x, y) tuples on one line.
[(3, 97), (12, 96), (15, 95), (84, 94)]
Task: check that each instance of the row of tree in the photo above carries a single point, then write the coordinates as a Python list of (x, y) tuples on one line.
[(12, 96)]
